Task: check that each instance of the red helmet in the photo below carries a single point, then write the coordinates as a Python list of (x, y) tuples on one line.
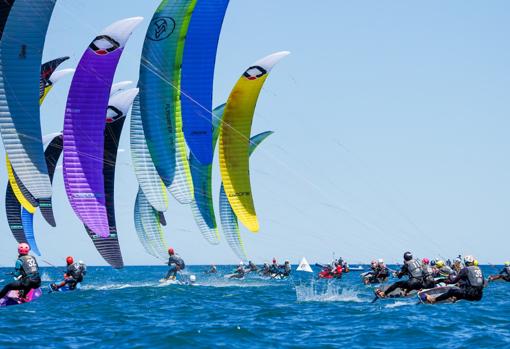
[(69, 260), (274, 260), (425, 261), (171, 251), (23, 249)]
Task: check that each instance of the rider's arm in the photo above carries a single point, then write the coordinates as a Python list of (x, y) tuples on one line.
[(17, 268)]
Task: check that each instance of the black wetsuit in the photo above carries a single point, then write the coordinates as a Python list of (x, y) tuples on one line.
[(175, 263), (471, 285), (28, 270), (413, 270), (74, 274), (505, 273), (428, 276), (286, 270)]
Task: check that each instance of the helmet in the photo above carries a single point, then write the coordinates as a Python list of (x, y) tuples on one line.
[(374, 262), (408, 256), (457, 260), (507, 264), (192, 278), (23, 249), (287, 261), (171, 251), (274, 260), (440, 264), (425, 261), (475, 263), (469, 259), (69, 260), (241, 263), (381, 261), (432, 262)]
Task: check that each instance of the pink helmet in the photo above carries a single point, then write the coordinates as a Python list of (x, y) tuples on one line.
[(425, 261), (23, 249)]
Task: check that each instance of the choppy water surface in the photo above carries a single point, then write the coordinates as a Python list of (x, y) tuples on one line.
[(129, 309)]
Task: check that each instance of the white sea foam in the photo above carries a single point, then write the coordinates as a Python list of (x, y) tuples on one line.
[(331, 292)]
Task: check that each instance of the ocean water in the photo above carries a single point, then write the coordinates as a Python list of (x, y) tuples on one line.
[(130, 309)]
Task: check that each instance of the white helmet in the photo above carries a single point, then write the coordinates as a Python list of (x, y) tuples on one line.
[(381, 261), (469, 259), (192, 278), (241, 263)]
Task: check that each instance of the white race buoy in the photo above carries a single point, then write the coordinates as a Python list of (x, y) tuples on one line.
[(304, 266)]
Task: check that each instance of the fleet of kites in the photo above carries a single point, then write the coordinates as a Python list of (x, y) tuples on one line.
[(174, 128)]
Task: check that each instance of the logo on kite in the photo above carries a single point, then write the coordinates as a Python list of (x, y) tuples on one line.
[(103, 45), (255, 72), (113, 114), (160, 28)]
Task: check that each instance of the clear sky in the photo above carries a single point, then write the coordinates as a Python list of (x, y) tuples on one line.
[(391, 123)]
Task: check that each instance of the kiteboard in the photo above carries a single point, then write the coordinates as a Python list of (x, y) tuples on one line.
[(64, 288), (170, 281), (396, 293), (234, 276), (489, 279), (358, 268), (12, 297), (434, 292)]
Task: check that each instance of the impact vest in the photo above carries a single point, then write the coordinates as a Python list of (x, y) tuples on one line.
[(427, 272), (29, 267), (446, 271), (474, 276), (414, 269), (75, 270)]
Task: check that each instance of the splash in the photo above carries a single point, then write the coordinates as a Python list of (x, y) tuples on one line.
[(45, 277), (329, 292)]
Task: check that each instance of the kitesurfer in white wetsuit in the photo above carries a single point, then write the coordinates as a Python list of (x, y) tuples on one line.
[(176, 263), (26, 273), (411, 268)]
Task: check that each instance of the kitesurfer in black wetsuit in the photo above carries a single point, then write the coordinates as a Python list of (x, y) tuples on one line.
[(26, 273), (266, 271), (239, 272), (176, 263), (285, 269), (212, 270), (503, 274), (470, 279), (428, 274), (252, 267), (411, 268), (274, 267), (73, 275)]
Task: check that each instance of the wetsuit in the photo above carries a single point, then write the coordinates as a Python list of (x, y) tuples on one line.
[(27, 270), (379, 275), (239, 272), (505, 273), (175, 263), (428, 276), (286, 270), (274, 269), (74, 275), (252, 267), (471, 285), (413, 270), (265, 270)]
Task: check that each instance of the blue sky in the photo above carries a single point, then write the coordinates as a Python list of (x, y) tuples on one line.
[(391, 130)]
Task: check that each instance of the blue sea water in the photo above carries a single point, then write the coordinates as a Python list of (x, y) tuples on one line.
[(130, 309)]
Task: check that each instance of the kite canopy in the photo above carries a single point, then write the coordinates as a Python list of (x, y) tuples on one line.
[(198, 75), (84, 124), (148, 227), (21, 50), (229, 224), (160, 106), (202, 206), (234, 139), (146, 174)]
